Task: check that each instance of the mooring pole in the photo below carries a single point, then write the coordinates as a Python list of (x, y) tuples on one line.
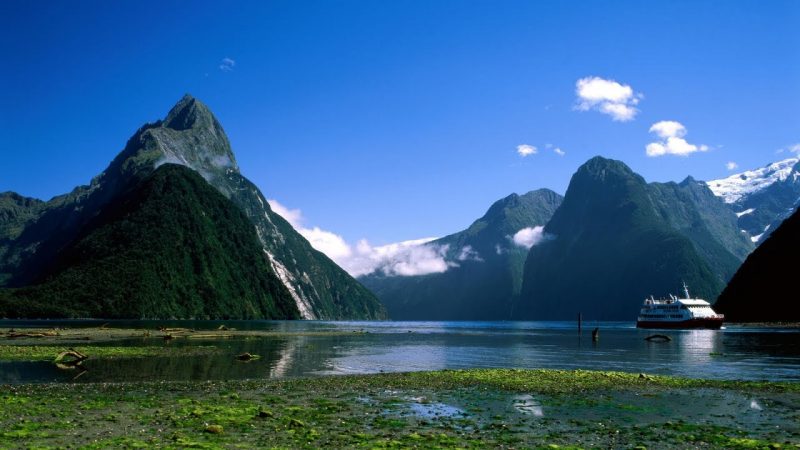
[(580, 320)]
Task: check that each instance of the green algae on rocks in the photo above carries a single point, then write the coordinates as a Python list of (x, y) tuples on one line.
[(444, 409)]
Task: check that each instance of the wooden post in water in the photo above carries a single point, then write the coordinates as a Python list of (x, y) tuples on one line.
[(580, 320)]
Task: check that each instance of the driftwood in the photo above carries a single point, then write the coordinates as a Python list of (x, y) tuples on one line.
[(74, 361), (658, 338), (14, 334), (76, 356), (208, 336), (175, 330)]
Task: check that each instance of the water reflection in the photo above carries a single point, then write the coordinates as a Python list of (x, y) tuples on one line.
[(738, 353), (526, 404)]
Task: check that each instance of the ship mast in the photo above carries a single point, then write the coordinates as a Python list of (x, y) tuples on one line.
[(686, 290)]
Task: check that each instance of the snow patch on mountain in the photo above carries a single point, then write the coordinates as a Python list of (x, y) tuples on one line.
[(736, 186), (757, 237), (745, 212)]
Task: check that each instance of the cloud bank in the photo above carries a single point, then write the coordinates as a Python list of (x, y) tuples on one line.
[(608, 97), (407, 258), (671, 142)]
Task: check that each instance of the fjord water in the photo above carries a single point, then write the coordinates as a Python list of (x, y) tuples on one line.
[(371, 347)]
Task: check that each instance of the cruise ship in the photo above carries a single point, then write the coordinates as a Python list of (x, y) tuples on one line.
[(678, 313)]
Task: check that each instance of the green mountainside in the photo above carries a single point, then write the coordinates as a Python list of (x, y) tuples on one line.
[(617, 239), (692, 209), (190, 136), (486, 267), (762, 290), (170, 247)]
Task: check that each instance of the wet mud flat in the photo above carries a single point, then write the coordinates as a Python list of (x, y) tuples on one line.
[(498, 408), (95, 335)]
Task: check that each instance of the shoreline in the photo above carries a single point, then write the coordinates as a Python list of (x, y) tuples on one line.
[(61, 335)]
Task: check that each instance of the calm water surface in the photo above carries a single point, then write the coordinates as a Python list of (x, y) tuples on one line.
[(732, 353)]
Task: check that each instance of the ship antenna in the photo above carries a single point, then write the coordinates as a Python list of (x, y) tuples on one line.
[(686, 290)]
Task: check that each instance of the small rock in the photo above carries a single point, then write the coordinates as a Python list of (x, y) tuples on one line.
[(247, 356), (214, 429), (294, 423)]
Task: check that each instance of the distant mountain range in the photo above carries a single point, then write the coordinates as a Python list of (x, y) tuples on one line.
[(762, 198), (39, 240), (613, 240), (171, 229), (486, 260), (618, 239)]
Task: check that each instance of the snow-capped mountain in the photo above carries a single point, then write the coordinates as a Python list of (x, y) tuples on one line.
[(761, 198)]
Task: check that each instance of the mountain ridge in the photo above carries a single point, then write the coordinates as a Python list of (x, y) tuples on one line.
[(191, 136), (620, 239), (760, 291), (485, 271), (169, 247), (761, 198)]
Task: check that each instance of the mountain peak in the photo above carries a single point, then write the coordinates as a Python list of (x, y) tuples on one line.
[(598, 163), (600, 169), (190, 113)]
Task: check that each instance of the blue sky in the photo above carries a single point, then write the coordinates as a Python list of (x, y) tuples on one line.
[(399, 120)]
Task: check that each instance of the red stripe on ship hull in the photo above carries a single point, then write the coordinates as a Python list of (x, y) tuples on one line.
[(713, 324)]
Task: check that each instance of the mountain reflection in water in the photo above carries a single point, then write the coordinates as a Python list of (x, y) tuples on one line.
[(371, 347)]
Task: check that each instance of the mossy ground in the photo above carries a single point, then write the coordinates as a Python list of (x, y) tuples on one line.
[(486, 408)]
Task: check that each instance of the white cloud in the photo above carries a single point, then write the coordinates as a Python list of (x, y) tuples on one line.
[(672, 141), (608, 97), (556, 150), (327, 242), (227, 65), (525, 150), (730, 165), (668, 128), (528, 237), (794, 148), (293, 216), (407, 258), (469, 254)]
